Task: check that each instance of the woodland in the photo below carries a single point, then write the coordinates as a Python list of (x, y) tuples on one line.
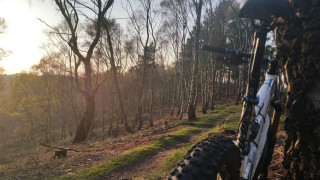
[(102, 86), (129, 81)]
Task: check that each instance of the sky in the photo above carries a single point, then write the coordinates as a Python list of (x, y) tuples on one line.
[(24, 35)]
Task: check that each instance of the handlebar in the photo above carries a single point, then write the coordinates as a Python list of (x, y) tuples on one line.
[(233, 53), (237, 53), (206, 47), (235, 56)]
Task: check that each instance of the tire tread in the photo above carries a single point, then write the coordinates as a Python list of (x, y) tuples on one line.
[(204, 160)]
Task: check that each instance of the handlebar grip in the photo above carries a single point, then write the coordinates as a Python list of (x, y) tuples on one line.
[(206, 47), (243, 54)]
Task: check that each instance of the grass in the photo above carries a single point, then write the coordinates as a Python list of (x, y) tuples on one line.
[(6, 167), (132, 156), (170, 162)]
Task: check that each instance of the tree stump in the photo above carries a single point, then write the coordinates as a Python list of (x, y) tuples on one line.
[(60, 153)]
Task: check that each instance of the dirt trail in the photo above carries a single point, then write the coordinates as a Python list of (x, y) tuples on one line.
[(149, 164), (40, 163), (141, 169)]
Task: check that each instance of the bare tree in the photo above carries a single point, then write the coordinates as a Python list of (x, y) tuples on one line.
[(70, 11), (163, 52), (148, 27), (123, 113), (209, 25), (193, 88), (176, 30)]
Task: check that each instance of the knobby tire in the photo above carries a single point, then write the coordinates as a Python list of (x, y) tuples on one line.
[(213, 158)]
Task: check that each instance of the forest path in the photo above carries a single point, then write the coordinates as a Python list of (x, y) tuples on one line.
[(151, 167), (149, 164), (37, 162)]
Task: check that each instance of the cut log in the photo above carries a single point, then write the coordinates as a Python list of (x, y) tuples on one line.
[(61, 149), (60, 153)]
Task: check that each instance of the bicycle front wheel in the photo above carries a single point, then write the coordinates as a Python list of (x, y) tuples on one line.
[(213, 158)]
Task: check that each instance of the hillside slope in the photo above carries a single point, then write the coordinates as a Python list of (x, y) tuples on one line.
[(150, 154)]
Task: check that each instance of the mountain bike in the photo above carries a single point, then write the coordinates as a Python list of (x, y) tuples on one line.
[(248, 157)]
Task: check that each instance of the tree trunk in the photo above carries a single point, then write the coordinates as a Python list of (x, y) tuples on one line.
[(151, 94), (220, 83), (192, 100), (175, 92), (110, 131), (88, 116), (180, 104), (229, 77), (162, 98), (187, 92), (139, 105), (87, 119), (104, 117), (213, 79), (145, 48), (204, 92), (115, 80), (298, 43), (183, 89), (240, 85), (207, 90), (181, 107)]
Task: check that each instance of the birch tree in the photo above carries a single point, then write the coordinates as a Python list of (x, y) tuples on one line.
[(193, 88)]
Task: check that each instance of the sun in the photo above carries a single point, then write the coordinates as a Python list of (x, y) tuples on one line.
[(23, 36)]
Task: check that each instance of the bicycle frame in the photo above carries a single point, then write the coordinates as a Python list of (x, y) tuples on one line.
[(255, 128), (257, 132), (251, 160), (255, 121)]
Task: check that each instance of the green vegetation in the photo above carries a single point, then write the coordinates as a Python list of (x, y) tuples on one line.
[(132, 156), (6, 167)]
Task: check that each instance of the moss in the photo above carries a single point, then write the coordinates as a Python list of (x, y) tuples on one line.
[(7, 167)]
